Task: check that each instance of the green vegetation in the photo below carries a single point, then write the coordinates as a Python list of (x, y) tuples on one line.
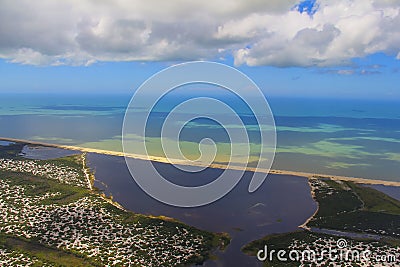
[(376, 201), (43, 254), (221, 241), (277, 242), (335, 199), (361, 222), (39, 186), (51, 217), (343, 206), (347, 206), (11, 151)]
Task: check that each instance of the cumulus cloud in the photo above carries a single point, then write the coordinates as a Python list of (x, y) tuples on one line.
[(255, 32)]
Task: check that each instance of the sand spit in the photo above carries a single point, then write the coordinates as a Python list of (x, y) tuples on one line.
[(218, 166)]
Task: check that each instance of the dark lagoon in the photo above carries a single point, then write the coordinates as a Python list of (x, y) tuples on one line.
[(280, 205), (5, 143), (43, 153)]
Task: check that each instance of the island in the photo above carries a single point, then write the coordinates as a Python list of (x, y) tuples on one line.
[(53, 216)]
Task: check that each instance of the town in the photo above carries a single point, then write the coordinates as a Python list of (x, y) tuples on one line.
[(51, 204)]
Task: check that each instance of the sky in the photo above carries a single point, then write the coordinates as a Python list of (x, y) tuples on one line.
[(322, 48)]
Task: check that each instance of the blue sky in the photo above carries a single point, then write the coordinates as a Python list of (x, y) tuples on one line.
[(124, 77), (346, 49)]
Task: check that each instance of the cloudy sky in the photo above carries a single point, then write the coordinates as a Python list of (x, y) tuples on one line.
[(345, 48)]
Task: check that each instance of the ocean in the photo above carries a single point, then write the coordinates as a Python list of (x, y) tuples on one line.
[(359, 138)]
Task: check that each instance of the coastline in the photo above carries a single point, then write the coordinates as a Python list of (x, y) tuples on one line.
[(87, 172), (358, 180), (304, 224)]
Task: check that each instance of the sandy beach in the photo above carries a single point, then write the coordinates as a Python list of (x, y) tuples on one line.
[(217, 166)]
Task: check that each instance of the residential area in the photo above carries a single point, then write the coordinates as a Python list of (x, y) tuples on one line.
[(69, 217)]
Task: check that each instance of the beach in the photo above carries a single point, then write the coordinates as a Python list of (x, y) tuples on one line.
[(358, 180)]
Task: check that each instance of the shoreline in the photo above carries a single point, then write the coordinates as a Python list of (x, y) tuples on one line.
[(304, 224), (86, 172), (216, 166)]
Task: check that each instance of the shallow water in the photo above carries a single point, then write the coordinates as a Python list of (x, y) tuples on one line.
[(358, 138)]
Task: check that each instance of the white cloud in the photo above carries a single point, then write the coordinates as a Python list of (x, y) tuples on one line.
[(345, 72), (255, 32)]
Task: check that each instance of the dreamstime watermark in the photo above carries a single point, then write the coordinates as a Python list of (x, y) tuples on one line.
[(341, 253), (223, 77)]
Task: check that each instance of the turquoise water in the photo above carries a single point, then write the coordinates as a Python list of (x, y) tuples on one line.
[(344, 137)]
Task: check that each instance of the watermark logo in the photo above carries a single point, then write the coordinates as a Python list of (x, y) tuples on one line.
[(138, 120), (341, 243), (341, 253)]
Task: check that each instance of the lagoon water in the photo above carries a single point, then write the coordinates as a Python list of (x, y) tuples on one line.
[(43, 153), (280, 205), (5, 143)]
